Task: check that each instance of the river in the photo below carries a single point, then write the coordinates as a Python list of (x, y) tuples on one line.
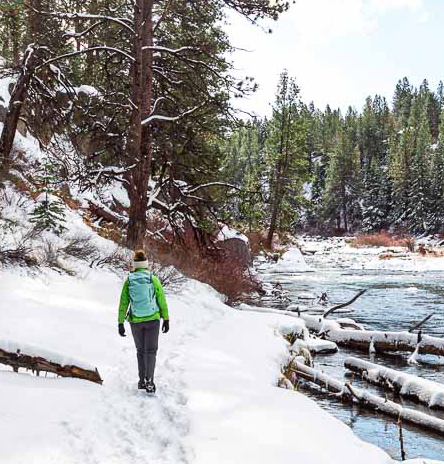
[(395, 300)]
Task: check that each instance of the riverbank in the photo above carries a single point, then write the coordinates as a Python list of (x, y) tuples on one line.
[(395, 300)]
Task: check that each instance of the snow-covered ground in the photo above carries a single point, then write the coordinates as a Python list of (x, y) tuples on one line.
[(217, 374), (339, 253)]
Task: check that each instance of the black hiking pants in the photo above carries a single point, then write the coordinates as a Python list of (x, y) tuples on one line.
[(146, 338)]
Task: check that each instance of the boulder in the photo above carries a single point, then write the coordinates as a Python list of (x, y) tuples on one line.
[(239, 249)]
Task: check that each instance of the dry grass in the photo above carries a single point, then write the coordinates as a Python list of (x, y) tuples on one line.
[(382, 239)]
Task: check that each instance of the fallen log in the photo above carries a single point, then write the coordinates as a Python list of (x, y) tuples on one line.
[(353, 395), (380, 341), (408, 386), (27, 358)]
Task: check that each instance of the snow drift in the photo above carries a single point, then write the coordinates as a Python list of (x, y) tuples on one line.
[(291, 261)]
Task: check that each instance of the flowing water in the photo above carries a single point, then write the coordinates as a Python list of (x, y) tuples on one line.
[(394, 301)]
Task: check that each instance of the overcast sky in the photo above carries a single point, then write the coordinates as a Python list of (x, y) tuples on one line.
[(341, 51)]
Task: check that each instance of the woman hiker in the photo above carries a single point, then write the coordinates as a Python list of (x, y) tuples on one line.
[(143, 293)]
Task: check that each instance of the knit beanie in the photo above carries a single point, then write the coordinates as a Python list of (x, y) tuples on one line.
[(140, 260)]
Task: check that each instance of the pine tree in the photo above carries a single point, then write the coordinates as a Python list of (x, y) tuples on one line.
[(402, 102), (286, 156), (49, 213), (343, 186), (375, 129), (419, 192), (436, 216)]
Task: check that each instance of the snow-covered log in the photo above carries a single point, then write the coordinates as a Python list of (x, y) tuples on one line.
[(315, 345), (352, 394), (28, 358), (409, 386), (298, 336), (381, 341)]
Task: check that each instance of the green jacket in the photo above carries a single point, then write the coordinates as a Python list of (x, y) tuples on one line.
[(125, 302)]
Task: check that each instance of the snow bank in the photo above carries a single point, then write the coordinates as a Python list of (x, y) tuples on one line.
[(291, 261), (239, 416)]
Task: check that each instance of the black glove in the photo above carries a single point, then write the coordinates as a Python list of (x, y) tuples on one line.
[(122, 330), (165, 326)]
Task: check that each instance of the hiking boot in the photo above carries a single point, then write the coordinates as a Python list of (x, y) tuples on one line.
[(150, 386), (141, 385)]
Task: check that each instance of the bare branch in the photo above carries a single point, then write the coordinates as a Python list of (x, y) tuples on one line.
[(343, 305)]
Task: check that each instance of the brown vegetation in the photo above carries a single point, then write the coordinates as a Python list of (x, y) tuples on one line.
[(382, 239), (219, 268)]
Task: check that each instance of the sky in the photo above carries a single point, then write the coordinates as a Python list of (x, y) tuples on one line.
[(341, 51)]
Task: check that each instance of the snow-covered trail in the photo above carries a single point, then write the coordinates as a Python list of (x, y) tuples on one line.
[(217, 369), (71, 421)]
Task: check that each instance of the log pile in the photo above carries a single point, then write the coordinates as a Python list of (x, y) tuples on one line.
[(39, 364), (348, 393)]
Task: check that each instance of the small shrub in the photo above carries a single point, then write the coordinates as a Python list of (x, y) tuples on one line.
[(80, 247), (218, 268), (49, 253), (117, 260), (19, 250), (382, 239), (410, 244), (20, 255)]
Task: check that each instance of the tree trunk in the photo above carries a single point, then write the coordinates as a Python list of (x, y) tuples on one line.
[(278, 191), (16, 103), (344, 209), (276, 207), (91, 59), (140, 145), (15, 37)]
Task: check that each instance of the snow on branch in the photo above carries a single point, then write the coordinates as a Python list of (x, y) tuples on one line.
[(168, 79), (212, 184), (86, 50), (159, 117), (124, 22), (173, 51), (78, 35)]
